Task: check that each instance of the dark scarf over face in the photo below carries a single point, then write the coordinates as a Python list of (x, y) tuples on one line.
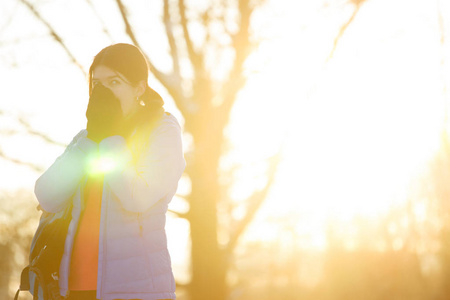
[(105, 116)]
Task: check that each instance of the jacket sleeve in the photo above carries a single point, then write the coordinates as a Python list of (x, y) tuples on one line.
[(156, 173), (59, 182)]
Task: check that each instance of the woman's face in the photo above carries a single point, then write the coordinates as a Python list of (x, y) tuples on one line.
[(120, 86)]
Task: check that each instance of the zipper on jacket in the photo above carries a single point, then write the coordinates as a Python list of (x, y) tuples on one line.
[(143, 248), (104, 214), (141, 228)]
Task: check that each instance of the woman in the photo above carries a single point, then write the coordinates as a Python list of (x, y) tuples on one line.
[(120, 173)]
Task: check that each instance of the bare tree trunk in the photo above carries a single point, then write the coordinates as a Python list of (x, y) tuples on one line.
[(209, 266)]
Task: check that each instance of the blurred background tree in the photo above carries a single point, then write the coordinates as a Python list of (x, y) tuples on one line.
[(16, 219), (401, 254)]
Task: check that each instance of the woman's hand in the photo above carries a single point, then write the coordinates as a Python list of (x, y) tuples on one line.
[(104, 114)]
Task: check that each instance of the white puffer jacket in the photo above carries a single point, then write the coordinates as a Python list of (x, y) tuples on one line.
[(134, 262)]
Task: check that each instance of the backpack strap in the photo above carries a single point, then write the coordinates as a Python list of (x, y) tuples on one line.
[(17, 294), (24, 282), (36, 289)]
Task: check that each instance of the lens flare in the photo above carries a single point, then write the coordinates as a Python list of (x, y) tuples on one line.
[(102, 165)]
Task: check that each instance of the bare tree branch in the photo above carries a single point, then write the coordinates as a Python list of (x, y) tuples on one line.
[(241, 45), (176, 94), (105, 29), (181, 285), (255, 202), (171, 83), (8, 132), (19, 162), (443, 62), (46, 138), (171, 39), (9, 18), (54, 35), (357, 4), (128, 28), (195, 58), (178, 214)]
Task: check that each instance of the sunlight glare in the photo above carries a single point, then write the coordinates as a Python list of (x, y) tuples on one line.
[(353, 146)]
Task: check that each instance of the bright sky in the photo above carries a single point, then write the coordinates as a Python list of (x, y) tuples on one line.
[(355, 130), (359, 128)]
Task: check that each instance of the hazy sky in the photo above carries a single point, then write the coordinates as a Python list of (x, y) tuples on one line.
[(356, 129)]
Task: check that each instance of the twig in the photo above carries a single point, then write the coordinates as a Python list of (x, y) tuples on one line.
[(195, 58), (105, 29), (241, 45), (255, 202), (169, 82), (343, 29), (179, 214), (19, 162), (55, 36), (171, 39), (443, 62), (46, 138)]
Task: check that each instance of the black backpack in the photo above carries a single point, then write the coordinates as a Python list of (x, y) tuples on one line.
[(41, 276)]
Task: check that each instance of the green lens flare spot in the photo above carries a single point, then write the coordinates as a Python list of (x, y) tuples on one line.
[(102, 165)]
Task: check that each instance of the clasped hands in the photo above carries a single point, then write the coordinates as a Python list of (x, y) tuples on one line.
[(104, 119)]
